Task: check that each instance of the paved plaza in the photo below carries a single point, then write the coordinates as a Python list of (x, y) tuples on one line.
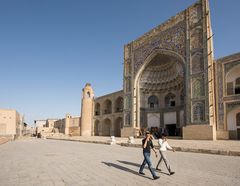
[(221, 147), (55, 162)]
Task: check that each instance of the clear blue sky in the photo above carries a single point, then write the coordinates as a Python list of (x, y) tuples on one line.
[(49, 49)]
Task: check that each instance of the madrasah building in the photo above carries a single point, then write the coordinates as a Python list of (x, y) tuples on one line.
[(171, 83)]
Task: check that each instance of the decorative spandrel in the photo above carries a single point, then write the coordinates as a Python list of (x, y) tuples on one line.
[(232, 105), (172, 39), (229, 66)]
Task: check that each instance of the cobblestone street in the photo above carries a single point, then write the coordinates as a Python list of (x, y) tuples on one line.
[(52, 162)]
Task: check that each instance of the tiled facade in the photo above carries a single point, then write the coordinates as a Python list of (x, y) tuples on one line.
[(227, 73), (172, 84)]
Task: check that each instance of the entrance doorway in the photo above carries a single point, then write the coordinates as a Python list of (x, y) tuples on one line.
[(159, 92), (171, 129), (238, 134), (106, 128)]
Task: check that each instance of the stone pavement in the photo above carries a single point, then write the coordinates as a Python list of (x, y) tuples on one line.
[(3, 140), (221, 147), (38, 162)]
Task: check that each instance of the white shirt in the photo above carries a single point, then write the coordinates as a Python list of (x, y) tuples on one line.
[(163, 145)]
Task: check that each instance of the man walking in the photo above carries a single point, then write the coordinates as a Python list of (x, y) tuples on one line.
[(163, 146), (147, 144)]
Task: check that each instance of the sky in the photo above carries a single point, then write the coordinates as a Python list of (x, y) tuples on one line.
[(49, 49)]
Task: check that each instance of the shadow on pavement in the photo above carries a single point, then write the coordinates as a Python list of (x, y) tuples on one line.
[(123, 168), (130, 163), (138, 165), (162, 172)]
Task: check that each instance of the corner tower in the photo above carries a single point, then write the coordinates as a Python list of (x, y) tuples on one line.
[(87, 110)]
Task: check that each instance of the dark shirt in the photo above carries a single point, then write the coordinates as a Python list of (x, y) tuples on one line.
[(148, 147)]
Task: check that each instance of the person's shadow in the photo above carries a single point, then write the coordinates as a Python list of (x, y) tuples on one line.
[(129, 163), (138, 165), (109, 164)]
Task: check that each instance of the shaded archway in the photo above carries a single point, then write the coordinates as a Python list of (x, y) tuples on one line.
[(170, 100), (153, 102), (233, 123), (198, 112), (96, 127), (106, 127), (107, 107), (97, 109), (163, 73), (237, 85), (119, 104), (233, 81), (118, 124)]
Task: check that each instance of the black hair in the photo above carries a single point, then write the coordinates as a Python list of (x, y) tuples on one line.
[(164, 135)]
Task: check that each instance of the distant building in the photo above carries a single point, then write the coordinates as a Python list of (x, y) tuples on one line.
[(11, 123), (29, 130), (70, 125), (50, 122), (44, 126), (40, 123)]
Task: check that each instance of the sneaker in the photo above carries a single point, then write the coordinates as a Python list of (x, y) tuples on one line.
[(171, 173), (141, 173), (158, 169), (156, 177)]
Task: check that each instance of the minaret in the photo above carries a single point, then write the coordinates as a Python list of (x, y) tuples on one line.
[(87, 110), (67, 123)]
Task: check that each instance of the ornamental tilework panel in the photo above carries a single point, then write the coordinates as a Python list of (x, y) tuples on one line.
[(198, 112), (197, 87), (128, 68), (127, 102), (196, 38), (197, 63), (128, 84), (172, 39), (220, 92), (195, 15), (127, 118)]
